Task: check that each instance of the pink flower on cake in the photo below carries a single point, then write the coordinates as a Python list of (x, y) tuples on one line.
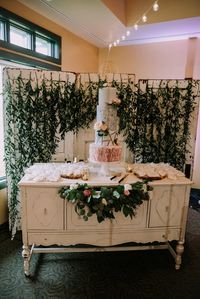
[(101, 128), (116, 102), (87, 192), (104, 127)]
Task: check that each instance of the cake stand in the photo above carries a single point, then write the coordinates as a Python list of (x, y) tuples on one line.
[(109, 168)]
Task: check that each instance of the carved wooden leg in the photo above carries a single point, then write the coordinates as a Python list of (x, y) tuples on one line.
[(179, 252), (26, 256)]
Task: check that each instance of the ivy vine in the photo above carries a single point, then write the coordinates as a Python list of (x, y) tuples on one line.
[(158, 127)]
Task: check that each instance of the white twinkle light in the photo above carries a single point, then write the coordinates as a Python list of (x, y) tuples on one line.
[(155, 6), (144, 18)]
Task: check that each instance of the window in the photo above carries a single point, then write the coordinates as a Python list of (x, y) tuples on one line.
[(20, 37), (2, 36), (43, 46), (27, 38)]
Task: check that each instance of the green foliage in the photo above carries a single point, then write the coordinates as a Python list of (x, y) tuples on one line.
[(158, 122), (105, 201), (77, 107), (35, 111), (155, 123)]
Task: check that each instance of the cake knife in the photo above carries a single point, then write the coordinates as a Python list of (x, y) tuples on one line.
[(113, 177), (123, 178)]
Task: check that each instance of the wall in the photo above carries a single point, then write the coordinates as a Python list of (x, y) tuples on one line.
[(77, 54), (196, 172), (164, 60), (3, 206)]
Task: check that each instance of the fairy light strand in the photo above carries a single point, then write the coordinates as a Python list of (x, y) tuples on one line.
[(143, 19)]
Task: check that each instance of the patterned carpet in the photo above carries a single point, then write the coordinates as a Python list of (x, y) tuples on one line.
[(118, 275)]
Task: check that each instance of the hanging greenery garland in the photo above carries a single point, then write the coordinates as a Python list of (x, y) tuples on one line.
[(155, 122), (30, 132), (159, 130)]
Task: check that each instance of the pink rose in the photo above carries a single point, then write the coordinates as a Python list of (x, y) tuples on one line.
[(116, 101), (87, 192), (104, 127), (126, 192)]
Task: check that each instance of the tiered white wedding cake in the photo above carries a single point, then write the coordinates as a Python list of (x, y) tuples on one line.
[(106, 147)]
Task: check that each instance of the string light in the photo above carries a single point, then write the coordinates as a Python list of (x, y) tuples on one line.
[(155, 6), (143, 18)]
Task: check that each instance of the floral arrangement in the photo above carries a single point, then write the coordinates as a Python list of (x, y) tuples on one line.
[(101, 128), (105, 201)]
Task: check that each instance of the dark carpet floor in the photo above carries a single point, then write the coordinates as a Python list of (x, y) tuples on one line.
[(108, 275)]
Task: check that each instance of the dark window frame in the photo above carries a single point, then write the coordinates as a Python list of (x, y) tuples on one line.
[(9, 18)]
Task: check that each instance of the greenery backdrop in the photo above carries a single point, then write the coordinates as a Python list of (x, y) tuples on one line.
[(41, 107)]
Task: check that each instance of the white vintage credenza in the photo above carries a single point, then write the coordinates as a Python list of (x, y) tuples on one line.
[(50, 224)]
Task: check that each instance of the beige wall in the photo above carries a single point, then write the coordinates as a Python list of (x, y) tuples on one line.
[(166, 60), (196, 170), (3, 206), (77, 54)]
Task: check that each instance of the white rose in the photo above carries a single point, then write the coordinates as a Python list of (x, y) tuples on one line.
[(73, 186), (97, 194), (127, 187)]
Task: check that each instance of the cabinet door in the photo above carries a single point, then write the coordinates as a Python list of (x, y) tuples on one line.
[(75, 222), (44, 208), (167, 204), (138, 221)]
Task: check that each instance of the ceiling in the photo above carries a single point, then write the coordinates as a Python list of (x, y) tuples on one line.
[(101, 22)]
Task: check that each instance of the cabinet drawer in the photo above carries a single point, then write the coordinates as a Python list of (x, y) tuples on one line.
[(167, 203), (44, 208)]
